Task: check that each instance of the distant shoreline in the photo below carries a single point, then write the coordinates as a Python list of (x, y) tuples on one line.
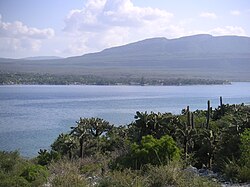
[(112, 84), (50, 79)]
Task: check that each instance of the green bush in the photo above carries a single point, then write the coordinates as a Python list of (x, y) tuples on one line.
[(244, 174), (155, 151), (8, 160), (245, 147), (10, 181), (35, 174), (149, 151), (15, 171), (244, 169)]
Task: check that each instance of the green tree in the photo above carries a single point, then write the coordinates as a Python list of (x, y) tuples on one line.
[(88, 131), (65, 144), (44, 157), (155, 124)]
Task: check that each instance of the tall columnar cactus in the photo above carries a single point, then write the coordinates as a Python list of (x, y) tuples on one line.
[(188, 116), (208, 113), (192, 120), (221, 106)]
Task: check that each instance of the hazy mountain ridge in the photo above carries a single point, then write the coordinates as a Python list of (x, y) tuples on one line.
[(42, 58), (197, 44), (201, 56)]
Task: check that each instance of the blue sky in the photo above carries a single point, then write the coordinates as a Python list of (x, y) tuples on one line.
[(75, 27)]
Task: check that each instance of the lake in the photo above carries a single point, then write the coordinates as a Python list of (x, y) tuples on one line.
[(31, 117)]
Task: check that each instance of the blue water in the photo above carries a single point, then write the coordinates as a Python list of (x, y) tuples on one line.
[(31, 117)]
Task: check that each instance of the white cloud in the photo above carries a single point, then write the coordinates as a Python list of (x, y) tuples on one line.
[(105, 23), (105, 13), (16, 36), (235, 12), (228, 30), (209, 15)]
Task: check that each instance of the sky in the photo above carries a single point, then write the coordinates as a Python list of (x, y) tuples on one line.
[(75, 27)]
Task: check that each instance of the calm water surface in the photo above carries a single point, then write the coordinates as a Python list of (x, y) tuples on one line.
[(31, 117)]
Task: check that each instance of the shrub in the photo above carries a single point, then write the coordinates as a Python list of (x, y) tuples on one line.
[(163, 175), (244, 174), (149, 151), (155, 151), (35, 174), (126, 178), (15, 171), (231, 170), (173, 174), (66, 173), (244, 169), (8, 160), (245, 147), (10, 181), (46, 157)]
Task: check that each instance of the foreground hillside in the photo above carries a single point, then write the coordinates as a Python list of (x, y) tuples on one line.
[(199, 56), (157, 149)]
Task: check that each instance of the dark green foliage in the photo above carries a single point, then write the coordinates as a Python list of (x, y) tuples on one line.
[(35, 174), (46, 157), (8, 160), (208, 114), (245, 147), (155, 124), (65, 144), (15, 171), (115, 140), (88, 132)]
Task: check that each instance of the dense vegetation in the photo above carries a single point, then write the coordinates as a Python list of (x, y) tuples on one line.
[(51, 79), (154, 150)]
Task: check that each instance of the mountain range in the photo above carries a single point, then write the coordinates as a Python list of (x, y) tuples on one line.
[(197, 56)]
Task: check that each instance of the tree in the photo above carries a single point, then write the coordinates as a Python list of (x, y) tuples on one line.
[(65, 144), (46, 157), (88, 130), (155, 124), (80, 132)]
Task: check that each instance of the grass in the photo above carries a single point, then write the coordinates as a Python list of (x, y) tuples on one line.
[(66, 173)]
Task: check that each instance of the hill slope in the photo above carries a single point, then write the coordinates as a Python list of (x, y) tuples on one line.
[(198, 56)]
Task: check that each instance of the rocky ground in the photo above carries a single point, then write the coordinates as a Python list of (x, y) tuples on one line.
[(215, 177)]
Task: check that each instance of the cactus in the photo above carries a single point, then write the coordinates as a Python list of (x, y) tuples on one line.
[(208, 113), (221, 106), (188, 116), (192, 120)]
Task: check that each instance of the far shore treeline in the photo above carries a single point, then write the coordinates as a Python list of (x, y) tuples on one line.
[(53, 79), (157, 149)]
